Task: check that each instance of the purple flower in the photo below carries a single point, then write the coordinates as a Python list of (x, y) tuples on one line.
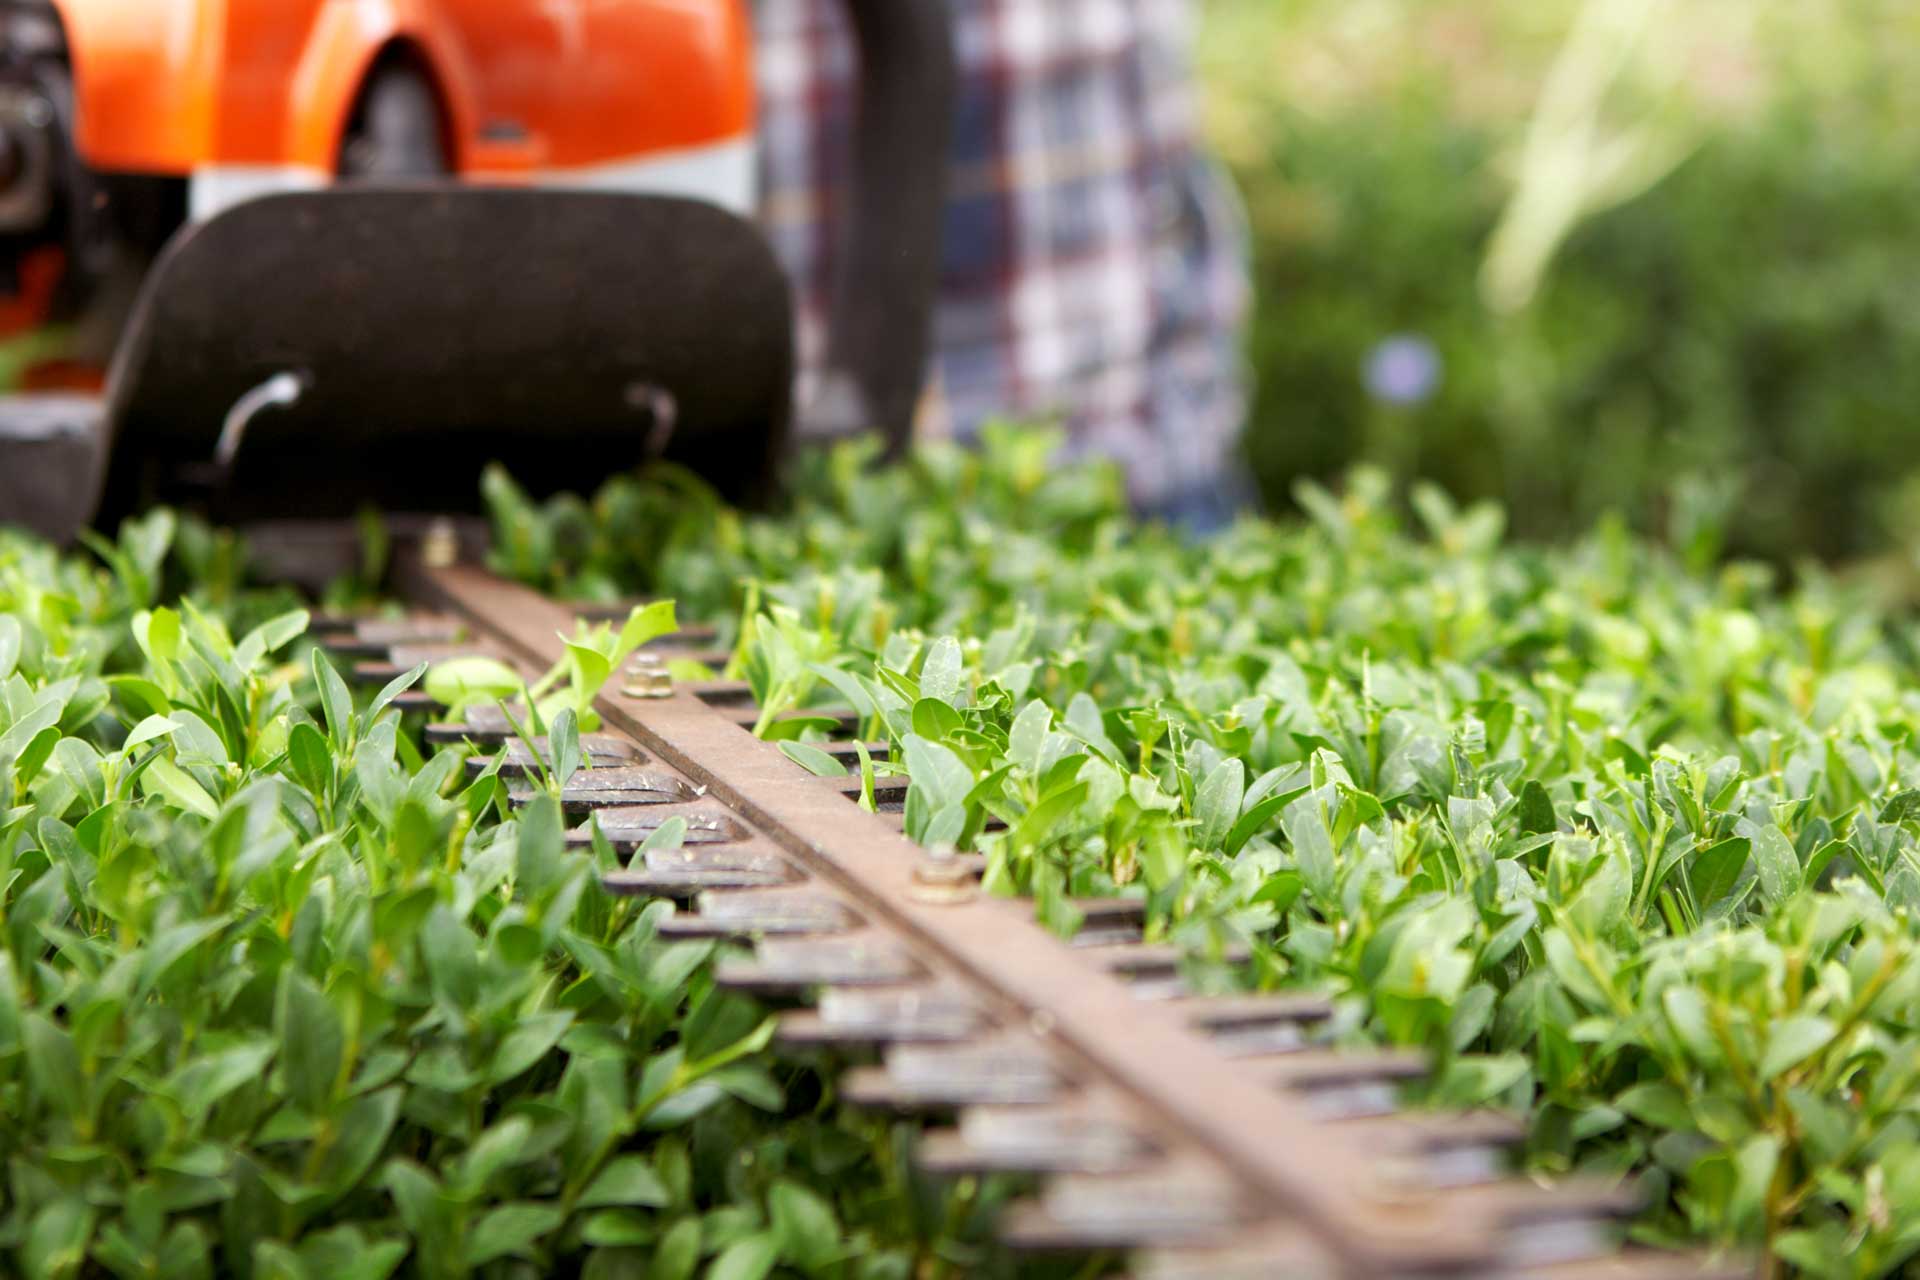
[(1403, 369)]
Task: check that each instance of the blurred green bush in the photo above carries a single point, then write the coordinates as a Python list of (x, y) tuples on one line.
[(1727, 348)]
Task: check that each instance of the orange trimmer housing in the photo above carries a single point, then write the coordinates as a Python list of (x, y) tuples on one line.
[(242, 97), (122, 120)]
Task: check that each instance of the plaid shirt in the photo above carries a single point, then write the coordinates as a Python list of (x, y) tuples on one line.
[(1094, 263)]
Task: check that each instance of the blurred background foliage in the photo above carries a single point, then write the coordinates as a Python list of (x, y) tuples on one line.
[(1659, 257)]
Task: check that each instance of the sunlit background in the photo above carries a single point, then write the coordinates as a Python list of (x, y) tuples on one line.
[(1648, 256)]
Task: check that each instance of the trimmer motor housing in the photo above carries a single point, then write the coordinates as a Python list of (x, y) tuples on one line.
[(311, 353)]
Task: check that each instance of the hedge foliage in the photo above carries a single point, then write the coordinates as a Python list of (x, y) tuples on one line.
[(281, 997), (1632, 849)]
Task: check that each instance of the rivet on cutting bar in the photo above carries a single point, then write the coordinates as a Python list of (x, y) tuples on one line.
[(945, 879), (440, 545), (650, 684)]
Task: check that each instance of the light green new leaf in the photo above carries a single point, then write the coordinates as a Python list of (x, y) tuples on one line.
[(461, 682), (157, 632), (645, 624), (270, 636), (176, 786), (813, 760), (146, 731)]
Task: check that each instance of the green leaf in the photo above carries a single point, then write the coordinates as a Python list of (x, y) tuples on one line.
[(813, 760), (940, 674), (511, 1229), (590, 670), (209, 1077), (10, 642), (176, 786), (645, 624), (273, 634), (935, 720), (563, 740), (158, 634), (1085, 721), (1686, 1011), (1256, 818), (750, 1259), (1217, 805), (363, 1129), (56, 1243), (1660, 1105), (626, 1180), (809, 1235), (1776, 863), (388, 692), (310, 757), (1902, 806), (541, 860), (146, 731), (531, 1039), (53, 1065), (1754, 1164), (678, 1253), (1536, 809), (501, 1145), (1714, 870), (335, 701), (1029, 735), (33, 757), (447, 946), (312, 1041), (141, 694), (1305, 823), (945, 778), (1037, 826), (1791, 1041), (462, 682)]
